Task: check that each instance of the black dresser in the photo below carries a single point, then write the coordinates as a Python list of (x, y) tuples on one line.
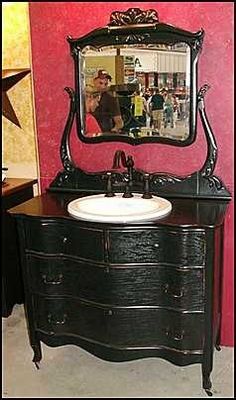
[(14, 192), (124, 292)]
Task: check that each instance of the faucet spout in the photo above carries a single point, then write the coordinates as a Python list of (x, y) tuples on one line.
[(126, 162), (119, 157)]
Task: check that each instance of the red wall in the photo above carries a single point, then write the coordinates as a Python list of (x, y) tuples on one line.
[(51, 22)]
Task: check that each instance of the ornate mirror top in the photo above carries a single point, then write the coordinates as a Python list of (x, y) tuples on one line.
[(133, 16)]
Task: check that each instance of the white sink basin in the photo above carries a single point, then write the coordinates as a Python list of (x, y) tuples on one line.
[(118, 209)]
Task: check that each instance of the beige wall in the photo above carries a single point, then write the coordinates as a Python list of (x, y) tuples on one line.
[(19, 153), (93, 64)]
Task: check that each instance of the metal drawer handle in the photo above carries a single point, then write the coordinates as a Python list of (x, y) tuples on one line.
[(52, 282), (176, 295), (56, 322), (108, 312), (176, 336)]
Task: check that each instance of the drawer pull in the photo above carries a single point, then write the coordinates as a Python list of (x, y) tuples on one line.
[(156, 245), (176, 295), (56, 322), (108, 312), (65, 239), (176, 336), (52, 282)]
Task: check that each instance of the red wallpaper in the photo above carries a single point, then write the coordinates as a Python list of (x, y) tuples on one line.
[(51, 22)]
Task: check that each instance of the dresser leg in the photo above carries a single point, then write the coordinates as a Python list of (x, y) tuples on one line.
[(37, 354), (207, 383), (218, 339)]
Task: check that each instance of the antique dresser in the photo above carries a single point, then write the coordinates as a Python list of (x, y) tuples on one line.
[(124, 291)]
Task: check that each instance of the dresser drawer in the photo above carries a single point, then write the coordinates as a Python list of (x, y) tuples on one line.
[(53, 237), (66, 316), (119, 327), (155, 327), (178, 247), (156, 286), (121, 286), (61, 276)]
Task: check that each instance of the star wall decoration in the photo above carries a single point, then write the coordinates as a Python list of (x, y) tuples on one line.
[(10, 77)]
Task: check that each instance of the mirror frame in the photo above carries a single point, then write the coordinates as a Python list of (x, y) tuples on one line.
[(136, 27)]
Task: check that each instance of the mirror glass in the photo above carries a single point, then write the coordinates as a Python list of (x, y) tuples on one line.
[(139, 90)]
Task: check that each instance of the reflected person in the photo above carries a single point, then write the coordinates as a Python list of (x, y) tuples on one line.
[(157, 107), (108, 113), (169, 111), (92, 98)]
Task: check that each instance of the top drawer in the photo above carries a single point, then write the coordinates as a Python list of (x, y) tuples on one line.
[(163, 245), (57, 237)]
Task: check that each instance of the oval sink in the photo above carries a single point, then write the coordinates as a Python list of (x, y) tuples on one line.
[(118, 209)]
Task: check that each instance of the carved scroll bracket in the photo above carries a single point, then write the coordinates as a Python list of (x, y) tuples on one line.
[(212, 151)]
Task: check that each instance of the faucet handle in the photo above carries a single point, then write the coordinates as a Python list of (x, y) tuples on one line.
[(109, 192), (127, 193), (146, 188)]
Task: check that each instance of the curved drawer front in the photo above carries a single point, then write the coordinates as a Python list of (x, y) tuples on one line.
[(181, 247), (150, 327), (68, 316), (119, 327), (55, 237), (127, 286)]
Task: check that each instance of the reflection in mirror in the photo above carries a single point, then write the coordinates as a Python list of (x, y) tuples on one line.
[(137, 90)]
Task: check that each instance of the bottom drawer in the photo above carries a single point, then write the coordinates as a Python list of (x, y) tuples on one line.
[(66, 316), (156, 327), (119, 327)]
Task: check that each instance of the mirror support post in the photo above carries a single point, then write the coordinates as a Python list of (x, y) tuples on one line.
[(65, 147), (212, 151)]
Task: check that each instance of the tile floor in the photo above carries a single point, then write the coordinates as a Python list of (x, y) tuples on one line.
[(69, 371)]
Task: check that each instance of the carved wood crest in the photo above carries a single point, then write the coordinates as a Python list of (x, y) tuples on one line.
[(133, 16)]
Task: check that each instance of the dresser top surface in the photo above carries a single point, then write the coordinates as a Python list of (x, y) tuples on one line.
[(185, 212), (13, 185)]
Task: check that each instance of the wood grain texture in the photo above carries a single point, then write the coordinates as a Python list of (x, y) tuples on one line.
[(156, 285), (62, 238), (160, 245), (123, 327), (123, 291)]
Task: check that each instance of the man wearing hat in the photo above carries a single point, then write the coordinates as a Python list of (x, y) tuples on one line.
[(108, 112), (92, 98)]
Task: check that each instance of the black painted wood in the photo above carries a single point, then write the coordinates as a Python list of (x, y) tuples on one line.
[(172, 246), (142, 327), (119, 354), (63, 238), (12, 285), (189, 213), (124, 291), (139, 285)]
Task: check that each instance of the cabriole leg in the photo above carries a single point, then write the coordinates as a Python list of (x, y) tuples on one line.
[(207, 383), (37, 354)]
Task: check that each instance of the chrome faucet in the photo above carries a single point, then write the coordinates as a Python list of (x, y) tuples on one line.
[(127, 162)]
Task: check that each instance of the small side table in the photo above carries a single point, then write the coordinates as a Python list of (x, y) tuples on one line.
[(14, 192)]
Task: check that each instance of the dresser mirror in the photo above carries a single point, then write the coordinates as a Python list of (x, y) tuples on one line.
[(148, 71), (140, 77), (135, 56)]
